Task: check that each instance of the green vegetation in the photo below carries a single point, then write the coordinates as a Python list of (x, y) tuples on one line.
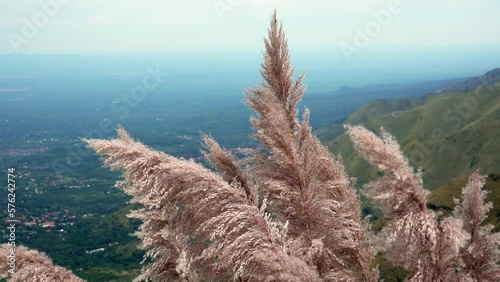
[(448, 135), (59, 181), (442, 198)]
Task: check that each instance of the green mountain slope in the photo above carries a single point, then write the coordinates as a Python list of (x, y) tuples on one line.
[(370, 111), (447, 134)]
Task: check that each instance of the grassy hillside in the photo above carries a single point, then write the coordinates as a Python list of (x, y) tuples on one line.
[(442, 197), (370, 111), (447, 134)]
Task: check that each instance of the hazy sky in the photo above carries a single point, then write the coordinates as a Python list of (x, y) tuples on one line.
[(122, 26)]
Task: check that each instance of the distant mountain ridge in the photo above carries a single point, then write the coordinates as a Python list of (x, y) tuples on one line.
[(354, 97), (448, 133), (486, 80)]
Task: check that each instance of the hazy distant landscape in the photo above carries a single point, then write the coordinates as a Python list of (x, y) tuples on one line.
[(168, 72), (68, 201)]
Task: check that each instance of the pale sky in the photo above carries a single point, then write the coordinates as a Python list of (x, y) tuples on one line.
[(132, 26)]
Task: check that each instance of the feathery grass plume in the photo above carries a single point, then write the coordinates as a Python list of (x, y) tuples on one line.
[(191, 213), (33, 266), (228, 166), (443, 262), (415, 239), (305, 184), (399, 191), (482, 252)]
